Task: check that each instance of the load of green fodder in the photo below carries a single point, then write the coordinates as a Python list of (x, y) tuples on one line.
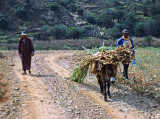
[(99, 59)]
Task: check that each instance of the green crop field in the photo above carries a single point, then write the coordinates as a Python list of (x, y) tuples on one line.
[(145, 75)]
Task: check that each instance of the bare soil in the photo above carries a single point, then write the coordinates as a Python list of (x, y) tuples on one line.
[(48, 93)]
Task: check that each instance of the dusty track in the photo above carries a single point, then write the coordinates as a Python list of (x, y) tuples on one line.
[(49, 95)]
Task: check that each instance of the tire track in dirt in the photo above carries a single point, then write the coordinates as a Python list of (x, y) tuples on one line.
[(49, 95), (39, 104), (112, 111)]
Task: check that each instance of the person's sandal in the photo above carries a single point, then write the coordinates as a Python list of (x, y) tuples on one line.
[(24, 73), (29, 72)]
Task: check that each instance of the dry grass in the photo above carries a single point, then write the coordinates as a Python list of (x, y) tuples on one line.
[(145, 76), (77, 44)]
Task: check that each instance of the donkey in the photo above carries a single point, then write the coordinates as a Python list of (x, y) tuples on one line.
[(105, 75)]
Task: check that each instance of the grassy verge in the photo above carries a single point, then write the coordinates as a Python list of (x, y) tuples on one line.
[(145, 76)]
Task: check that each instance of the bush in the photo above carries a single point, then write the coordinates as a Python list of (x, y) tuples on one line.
[(149, 39), (46, 29), (3, 22), (91, 18), (21, 13), (80, 11), (139, 29), (54, 7), (59, 31), (105, 20), (75, 33), (72, 7), (64, 2)]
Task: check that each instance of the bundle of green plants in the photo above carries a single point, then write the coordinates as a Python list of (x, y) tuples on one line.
[(80, 72)]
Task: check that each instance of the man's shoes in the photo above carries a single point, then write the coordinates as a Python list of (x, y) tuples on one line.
[(29, 72), (24, 73), (126, 79)]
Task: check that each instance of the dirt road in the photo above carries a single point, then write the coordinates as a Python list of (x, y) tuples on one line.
[(48, 94)]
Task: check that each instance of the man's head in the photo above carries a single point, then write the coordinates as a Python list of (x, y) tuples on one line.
[(23, 34), (125, 33)]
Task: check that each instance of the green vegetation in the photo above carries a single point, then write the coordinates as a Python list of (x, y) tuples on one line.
[(75, 33), (91, 18), (55, 7), (107, 17), (21, 12), (145, 75), (149, 39), (80, 11), (3, 22), (59, 32)]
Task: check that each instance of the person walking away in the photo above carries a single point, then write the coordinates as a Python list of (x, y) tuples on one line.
[(26, 51), (127, 42)]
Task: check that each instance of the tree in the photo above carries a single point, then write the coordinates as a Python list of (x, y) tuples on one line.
[(151, 27), (75, 33), (91, 18), (54, 7), (21, 13), (59, 31), (80, 11), (105, 20), (116, 31), (3, 22), (139, 29), (130, 20), (149, 39), (64, 2), (72, 7)]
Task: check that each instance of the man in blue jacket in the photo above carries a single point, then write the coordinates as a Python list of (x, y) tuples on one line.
[(126, 41)]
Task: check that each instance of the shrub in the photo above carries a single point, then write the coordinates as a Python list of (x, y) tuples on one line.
[(149, 39), (91, 18), (59, 31), (3, 22), (21, 13), (80, 11), (54, 7), (45, 29), (74, 32), (64, 2), (139, 29), (105, 20), (72, 7)]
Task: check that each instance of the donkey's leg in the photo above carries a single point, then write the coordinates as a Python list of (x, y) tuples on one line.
[(104, 86), (108, 85), (100, 82)]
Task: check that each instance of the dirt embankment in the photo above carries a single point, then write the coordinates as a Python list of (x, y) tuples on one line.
[(48, 94)]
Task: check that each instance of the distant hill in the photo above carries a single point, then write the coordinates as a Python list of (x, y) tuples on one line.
[(65, 19)]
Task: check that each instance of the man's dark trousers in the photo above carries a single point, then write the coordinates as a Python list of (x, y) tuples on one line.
[(125, 71)]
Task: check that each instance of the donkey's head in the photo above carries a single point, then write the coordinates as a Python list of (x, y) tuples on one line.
[(111, 71)]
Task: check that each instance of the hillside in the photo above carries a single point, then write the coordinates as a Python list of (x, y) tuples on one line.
[(74, 19)]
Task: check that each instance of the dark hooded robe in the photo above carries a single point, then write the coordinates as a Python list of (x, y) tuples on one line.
[(25, 49)]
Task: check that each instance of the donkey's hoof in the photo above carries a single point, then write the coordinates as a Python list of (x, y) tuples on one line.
[(109, 95), (105, 98), (101, 92)]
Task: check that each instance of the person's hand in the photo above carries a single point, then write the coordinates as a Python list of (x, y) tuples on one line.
[(20, 55), (32, 54), (134, 58)]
